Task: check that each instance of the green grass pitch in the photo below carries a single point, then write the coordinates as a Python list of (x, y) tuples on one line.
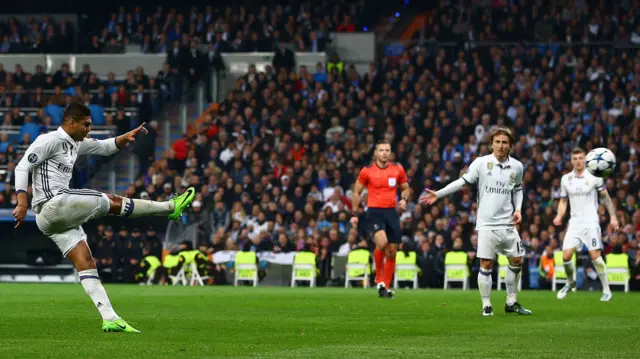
[(59, 321)]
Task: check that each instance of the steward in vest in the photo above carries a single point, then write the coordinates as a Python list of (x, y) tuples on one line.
[(150, 266), (171, 264), (335, 63)]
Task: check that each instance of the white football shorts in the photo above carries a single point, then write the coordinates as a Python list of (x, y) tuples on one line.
[(577, 237), (492, 242), (61, 217)]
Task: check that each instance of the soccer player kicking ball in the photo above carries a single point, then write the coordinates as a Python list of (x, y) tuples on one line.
[(581, 189), (500, 195), (61, 211), (382, 180)]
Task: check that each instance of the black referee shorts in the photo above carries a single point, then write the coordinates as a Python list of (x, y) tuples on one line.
[(385, 219)]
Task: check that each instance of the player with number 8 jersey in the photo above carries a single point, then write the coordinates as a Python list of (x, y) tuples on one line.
[(580, 189), (498, 177)]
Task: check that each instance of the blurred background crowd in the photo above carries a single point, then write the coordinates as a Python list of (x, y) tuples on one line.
[(275, 161)]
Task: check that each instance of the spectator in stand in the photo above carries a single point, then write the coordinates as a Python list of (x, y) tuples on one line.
[(346, 25), (284, 58)]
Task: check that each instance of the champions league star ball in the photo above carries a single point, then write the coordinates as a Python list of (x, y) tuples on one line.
[(601, 162)]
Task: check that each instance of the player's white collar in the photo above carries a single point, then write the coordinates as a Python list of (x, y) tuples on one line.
[(584, 173), (65, 135), (505, 164)]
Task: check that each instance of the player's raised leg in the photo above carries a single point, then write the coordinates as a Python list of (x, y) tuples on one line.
[(487, 249), (81, 257), (127, 207)]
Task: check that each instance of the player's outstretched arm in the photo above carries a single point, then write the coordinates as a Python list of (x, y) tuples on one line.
[(92, 146), (608, 204), (430, 197), (471, 176)]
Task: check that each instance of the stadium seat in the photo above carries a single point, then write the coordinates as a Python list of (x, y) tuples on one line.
[(406, 269), (503, 267), (55, 112), (456, 269), (171, 261), (304, 269), (358, 267), (97, 115), (559, 275), (180, 277), (618, 269), (191, 269), (246, 268)]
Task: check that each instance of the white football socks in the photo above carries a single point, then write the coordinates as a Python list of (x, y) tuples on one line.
[(484, 286), (93, 287), (569, 269), (601, 268), (133, 208), (511, 279)]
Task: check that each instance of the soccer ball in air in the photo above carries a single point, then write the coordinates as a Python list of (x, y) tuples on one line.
[(601, 162)]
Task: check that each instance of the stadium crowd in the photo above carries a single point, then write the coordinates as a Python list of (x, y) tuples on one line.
[(571, 21), (31, 103), (275, 161), (225, 27)]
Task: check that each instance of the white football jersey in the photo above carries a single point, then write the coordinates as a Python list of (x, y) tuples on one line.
[(50, 159), (497, 182), (582, 192)]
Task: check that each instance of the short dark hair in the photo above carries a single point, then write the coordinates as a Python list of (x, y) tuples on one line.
[(578, 150), (77, 111), (382, 142)]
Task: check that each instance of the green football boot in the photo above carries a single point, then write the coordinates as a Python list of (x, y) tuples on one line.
[(181, 202), (118, 325)]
